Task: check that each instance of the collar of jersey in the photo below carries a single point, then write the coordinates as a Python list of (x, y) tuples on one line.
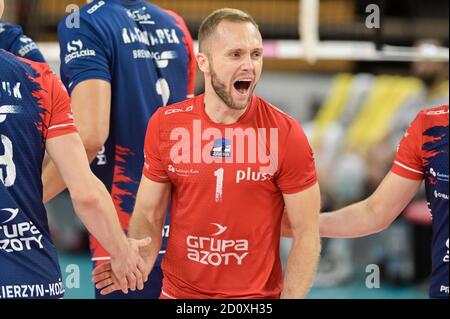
[(200, 103)]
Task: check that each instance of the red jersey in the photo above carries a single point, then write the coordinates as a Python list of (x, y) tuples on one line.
[(228, 183)]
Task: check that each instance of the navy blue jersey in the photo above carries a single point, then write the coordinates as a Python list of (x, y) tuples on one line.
[(423, 154), (146, 54), (34, 106), (13, 40)]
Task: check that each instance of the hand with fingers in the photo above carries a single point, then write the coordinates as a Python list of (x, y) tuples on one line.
[(123, 273)]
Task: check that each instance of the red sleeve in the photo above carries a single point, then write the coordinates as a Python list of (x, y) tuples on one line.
[(153, 166), (58, 117), (408, 161), (189, 43), (61, 117), (297, 168)]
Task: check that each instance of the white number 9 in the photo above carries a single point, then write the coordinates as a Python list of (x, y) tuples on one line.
[(7, 160)]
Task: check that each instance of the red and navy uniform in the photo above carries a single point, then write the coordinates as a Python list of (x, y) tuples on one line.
[(34, 107), (423, 154)]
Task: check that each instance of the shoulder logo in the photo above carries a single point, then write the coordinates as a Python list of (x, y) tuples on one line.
[(28, 45), (24, 39), (74, 45), (75, 49)]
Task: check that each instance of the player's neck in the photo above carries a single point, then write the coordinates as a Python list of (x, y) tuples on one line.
[(219, 112)]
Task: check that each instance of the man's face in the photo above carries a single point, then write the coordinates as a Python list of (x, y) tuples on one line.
[(2, 7), (234, 54)]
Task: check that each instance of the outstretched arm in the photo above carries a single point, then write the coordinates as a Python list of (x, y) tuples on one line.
[(94, 207), (147, 221), (373, 214)]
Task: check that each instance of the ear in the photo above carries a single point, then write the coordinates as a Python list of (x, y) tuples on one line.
[(203, 62)]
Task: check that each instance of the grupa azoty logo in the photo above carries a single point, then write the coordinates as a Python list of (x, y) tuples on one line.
[(8, 214), (18, 236), (217, 252)]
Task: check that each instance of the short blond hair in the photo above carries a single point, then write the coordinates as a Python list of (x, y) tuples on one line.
[(210, 23)]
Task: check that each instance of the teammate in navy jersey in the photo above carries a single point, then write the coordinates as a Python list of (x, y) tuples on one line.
[(125, 60), (13, 39), (421, 155), (35, 116)]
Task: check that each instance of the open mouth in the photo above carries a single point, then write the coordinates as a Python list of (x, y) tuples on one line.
[(242, 86)]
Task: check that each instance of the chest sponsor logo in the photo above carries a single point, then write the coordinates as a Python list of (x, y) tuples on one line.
[(217, 252), (162, 59), (157, 37), (439, 176), (140, 16), (221, 148), (17, 236), (440, 195), (252, 176), (181, 172)]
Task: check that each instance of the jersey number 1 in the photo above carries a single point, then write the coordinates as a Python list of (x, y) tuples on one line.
[(219, 183)]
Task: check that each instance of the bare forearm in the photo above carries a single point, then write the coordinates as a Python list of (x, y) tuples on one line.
[(100, 218), (301, 266), (356, 220), (51, 178)]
